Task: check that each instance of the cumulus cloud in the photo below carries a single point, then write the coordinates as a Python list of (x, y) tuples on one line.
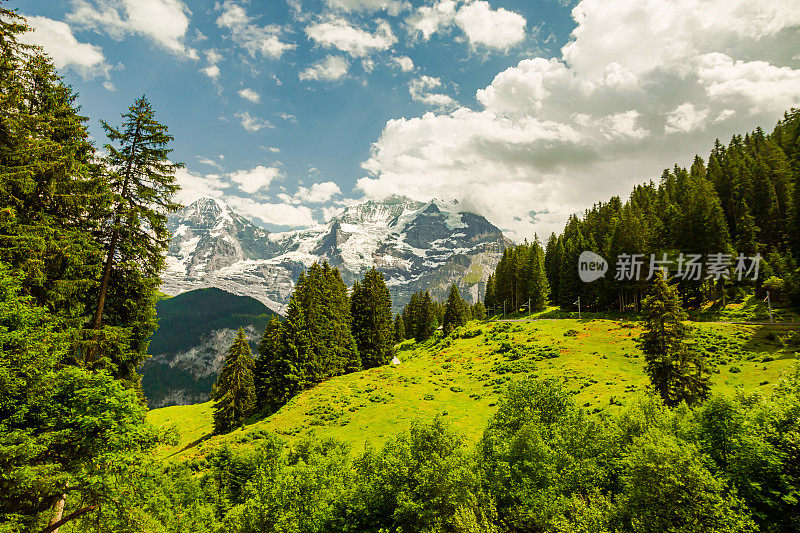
[(255, 179), (250, 94), (393, 7), (60, 44), (422, 90), (278, 214), (318, 193), (195, 185), (252, 123), (338, 33), (405, 63), (263, 40), (331, 68), (212, 71), (686, 117), (163, 21), (481, 25), (554, 135), (212, 58)]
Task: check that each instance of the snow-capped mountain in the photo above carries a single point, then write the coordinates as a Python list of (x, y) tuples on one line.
[(416, 245)]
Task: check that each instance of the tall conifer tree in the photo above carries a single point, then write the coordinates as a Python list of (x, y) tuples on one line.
[(234, 392), (371, 309)]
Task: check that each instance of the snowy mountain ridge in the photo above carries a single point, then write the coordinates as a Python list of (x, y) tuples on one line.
[(416, 245)]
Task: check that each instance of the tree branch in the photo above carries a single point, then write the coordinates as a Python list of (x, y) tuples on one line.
[(72, 516)]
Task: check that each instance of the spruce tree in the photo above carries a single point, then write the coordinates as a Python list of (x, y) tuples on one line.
[(538, 287), (399, 328), (269, 351), (426, 322), (676, 373), (371, 310), (454, 314), (489, 296), (234, 393), (287, 368), (142, 179), (479, 311)]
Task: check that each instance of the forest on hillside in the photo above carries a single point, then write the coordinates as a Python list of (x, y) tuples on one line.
[(742, 202), (82, 242)]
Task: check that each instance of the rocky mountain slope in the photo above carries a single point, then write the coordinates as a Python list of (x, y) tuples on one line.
[(195, 331), (417, 245)]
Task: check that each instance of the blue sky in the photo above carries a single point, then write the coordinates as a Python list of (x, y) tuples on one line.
[(527, 111)]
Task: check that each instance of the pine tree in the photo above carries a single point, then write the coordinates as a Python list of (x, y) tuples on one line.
[(676, 373), (234, 392), (479, 311), (142, 179), (371, 310), (270, 351), (399, 328), (425, 317), (538, 287), (454, 314), (489, 296)]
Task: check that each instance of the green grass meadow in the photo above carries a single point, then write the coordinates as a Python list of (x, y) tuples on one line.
[(461, 378)]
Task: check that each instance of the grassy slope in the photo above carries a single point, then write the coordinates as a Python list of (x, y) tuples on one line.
[(462, 379)]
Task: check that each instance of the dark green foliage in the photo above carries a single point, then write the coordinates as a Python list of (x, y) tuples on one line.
[(371, 309), (142, 180), (183, 322), (234, 392), (420, 317), (676, 373), (399, 328), (316, 341), (479, 311), (456, 312), (744, 200)]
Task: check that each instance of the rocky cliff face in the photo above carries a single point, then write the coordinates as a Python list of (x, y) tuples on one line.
[(418, 246)]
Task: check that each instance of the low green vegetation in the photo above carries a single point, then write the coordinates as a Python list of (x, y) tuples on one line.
[(598, 360)]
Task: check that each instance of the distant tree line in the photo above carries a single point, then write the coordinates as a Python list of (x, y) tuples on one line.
[(423, 315), (743, 200)]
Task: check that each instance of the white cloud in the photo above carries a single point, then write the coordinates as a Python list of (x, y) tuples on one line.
[(59, 43), (331, 68), (421, 90), (404, 62), (393, 7), (250, 94), (318, 193), (556, 135), (288, 117), (163, 21), (482, 25), (686, 117), (212, 71), (194, 186), (264, 40), (206, 161), (255, 179), (279, 214), (769, 88), (252, 123), (108, 86), (338, 33), (212, 58)]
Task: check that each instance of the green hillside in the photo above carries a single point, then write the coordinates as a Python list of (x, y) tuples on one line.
[(462, 378), (184, 321)]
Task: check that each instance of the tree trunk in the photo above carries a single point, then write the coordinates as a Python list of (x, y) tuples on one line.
[(112, 248), (58, 511)]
